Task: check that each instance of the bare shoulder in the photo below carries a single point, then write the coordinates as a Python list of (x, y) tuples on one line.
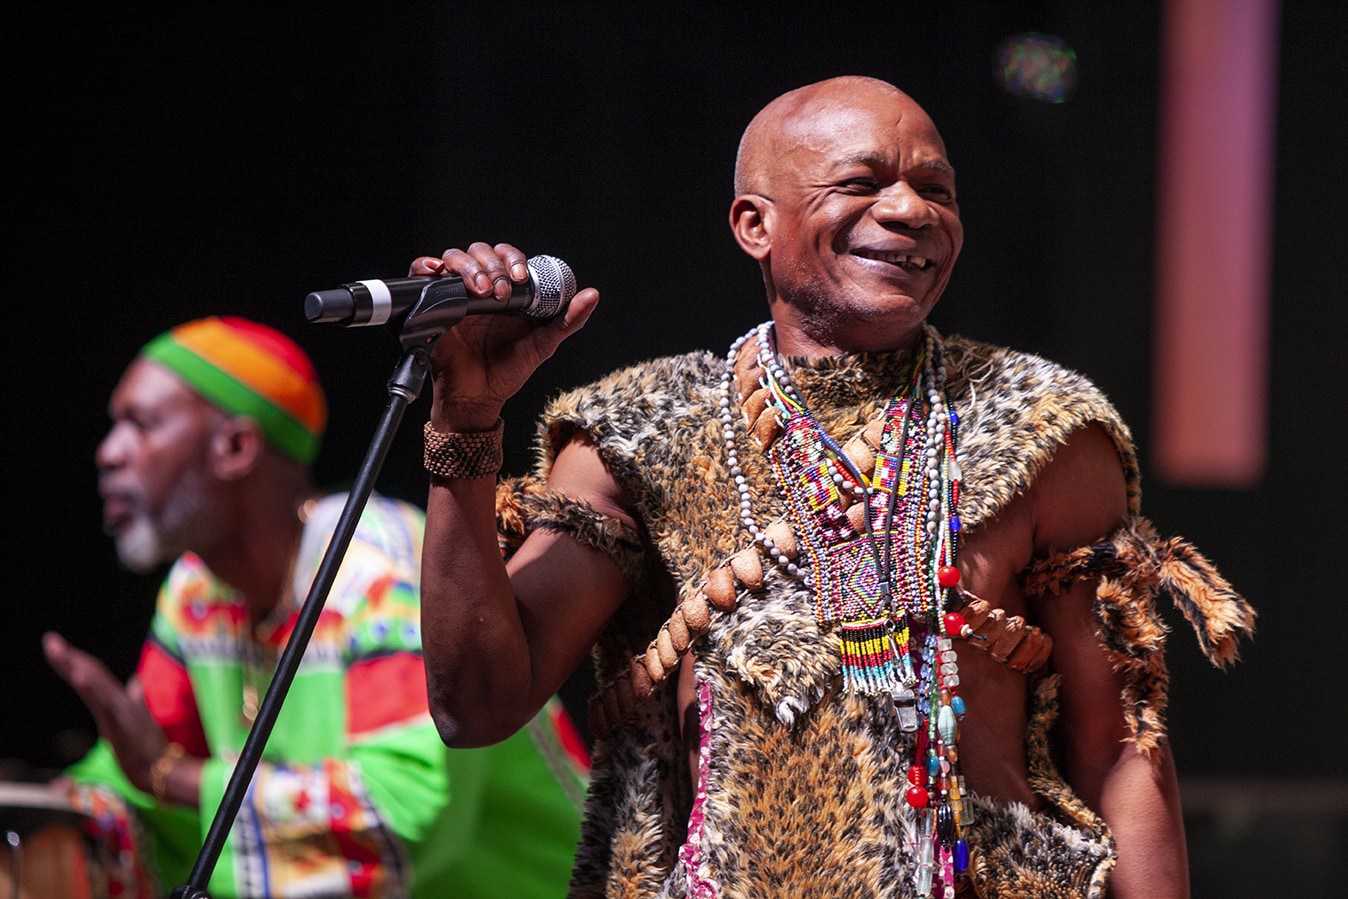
[(1081, 494)]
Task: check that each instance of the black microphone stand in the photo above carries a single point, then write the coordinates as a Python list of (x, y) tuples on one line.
[(417, 332)]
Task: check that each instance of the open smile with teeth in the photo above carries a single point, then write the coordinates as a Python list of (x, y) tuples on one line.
[(908, 261)]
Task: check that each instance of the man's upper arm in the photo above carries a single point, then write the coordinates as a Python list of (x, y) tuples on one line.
[(580, 472), (1081, 495), (1079, 499), (566, 587)]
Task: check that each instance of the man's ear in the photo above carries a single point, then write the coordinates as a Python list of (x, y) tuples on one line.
[(751, 218), (236, 447)]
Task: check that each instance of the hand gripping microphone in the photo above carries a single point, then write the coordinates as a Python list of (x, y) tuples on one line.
[(550, 287)]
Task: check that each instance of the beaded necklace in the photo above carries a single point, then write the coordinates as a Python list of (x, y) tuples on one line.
[(889, 606), (257, 660)]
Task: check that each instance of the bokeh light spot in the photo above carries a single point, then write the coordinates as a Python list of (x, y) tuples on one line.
[(1038, 66)]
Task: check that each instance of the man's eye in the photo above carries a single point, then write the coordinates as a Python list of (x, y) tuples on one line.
[(861, 185), (937, 192)]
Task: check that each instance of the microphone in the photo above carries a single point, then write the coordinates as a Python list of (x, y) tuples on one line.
[(550, 287)]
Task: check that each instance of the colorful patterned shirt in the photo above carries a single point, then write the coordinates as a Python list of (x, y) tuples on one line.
[(356, 794)]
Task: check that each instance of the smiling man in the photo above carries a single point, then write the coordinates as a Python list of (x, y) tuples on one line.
[(873, 609), (855, 205)]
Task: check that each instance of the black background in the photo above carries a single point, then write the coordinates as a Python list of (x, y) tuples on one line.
[(163, 166)]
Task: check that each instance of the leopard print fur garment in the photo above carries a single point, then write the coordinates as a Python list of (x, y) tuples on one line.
[(803, 785)]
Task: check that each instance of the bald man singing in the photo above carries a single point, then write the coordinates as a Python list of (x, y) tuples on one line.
[(873, 609)]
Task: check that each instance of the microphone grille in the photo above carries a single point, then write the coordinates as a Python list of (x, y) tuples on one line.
[(554, 286)]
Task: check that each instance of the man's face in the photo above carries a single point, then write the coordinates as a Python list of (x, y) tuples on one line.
[(866, 222), (152, 471)]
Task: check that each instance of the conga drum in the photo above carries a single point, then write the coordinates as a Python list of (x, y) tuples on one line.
[(44, 850)]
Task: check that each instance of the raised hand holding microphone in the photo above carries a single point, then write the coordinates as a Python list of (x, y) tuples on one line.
[(485, 359), (428, 305)]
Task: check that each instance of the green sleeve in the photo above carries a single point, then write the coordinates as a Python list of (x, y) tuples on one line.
[(523, 828)]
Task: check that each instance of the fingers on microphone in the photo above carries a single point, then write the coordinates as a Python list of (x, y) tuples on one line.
[(426, 265), (515, 261), (469, 269), (493, 268)]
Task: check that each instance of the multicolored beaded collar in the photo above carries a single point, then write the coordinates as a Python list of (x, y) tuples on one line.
[(878, 548)]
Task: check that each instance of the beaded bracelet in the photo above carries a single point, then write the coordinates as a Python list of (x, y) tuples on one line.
[(161, 768), (470, 454)]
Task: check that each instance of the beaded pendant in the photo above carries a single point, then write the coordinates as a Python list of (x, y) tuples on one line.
[(854, 568)]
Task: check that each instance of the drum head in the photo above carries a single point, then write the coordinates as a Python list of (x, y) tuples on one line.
[(25, 808)]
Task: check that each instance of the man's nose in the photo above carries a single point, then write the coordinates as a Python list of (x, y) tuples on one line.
[(110, 452), (900, 204)]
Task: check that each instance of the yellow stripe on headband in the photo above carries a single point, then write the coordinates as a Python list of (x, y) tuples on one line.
[(257, 369)]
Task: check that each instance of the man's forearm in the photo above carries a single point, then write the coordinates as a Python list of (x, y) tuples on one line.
[(499, 642), (1140, 801), (477, 655)]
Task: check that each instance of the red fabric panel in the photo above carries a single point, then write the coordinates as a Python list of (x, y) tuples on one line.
[(570, 737), (364, 864), (384, 691), (168, 695)]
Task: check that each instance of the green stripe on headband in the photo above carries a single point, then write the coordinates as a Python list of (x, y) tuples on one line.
[(229, 393)]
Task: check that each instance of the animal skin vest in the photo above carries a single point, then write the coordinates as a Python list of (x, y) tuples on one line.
[(801, 791)]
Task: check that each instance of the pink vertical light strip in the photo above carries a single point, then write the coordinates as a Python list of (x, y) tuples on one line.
[(1215, 208)]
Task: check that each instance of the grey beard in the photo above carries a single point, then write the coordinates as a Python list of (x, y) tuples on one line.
[(139, 549), (148, 543)]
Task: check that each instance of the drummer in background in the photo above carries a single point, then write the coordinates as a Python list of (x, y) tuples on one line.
[(207, 466)]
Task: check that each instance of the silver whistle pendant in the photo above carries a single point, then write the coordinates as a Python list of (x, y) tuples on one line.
[(905, 707)]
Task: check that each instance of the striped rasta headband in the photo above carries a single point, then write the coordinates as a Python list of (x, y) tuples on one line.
[(252, 370)]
